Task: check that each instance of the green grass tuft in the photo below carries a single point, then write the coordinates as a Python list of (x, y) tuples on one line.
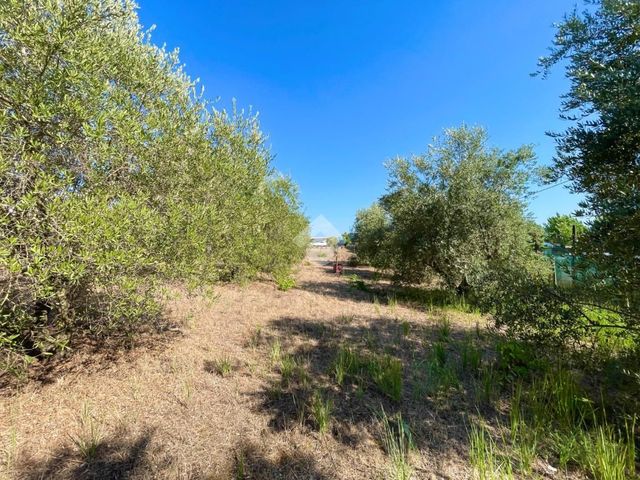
[(222, 366), (384, 371), (398, 442), (486, 462), (321, 409), (276, 352), (89, 437)]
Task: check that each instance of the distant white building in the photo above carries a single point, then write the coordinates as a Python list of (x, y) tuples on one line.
[(319, 241)]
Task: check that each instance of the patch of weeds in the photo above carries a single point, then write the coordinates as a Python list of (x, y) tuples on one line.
[(241, 469), (406, 327), (345, 319), (386, 373), (478, 330), (320, 408), (471, 357), (370, 340), (284, 280), (392, 300), (356, 282), (434, 298), (222, 366), (90, 435), (525, 446), (291, 369), (11, 448), (440, 377), (383, 370), (487, 385), (557, 401), (275, 392), (16, 365), (301, 374), (419, 390), (340, 369), (439, 353), (256, 337), (347, 362), (566, 445), (301, 411), (630, 434), (376, 303), (519, 360), (444, 329), (603, 452), (288, 366), (486, 461), (605, 456), (276, 352), (398, 442)]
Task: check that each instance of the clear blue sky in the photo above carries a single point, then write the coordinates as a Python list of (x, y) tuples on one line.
[(341, 86)]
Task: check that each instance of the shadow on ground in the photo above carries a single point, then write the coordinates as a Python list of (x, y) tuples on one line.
[(88, 355), (363, 285), (252, 462), (439, 419), (114, 458)]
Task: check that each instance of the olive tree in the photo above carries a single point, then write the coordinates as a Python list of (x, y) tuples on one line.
[(598, 153), (457, 211), (117, 174)]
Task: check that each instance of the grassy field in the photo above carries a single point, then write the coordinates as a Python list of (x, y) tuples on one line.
[(336, 378)]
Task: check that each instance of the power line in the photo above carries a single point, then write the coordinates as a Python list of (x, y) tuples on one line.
[(550, 187)]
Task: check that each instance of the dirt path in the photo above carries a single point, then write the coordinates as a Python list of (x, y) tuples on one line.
[(167, 413)]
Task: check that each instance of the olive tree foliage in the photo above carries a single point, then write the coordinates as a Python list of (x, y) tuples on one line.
[(455, 213), (599, 153), (369, 233), (115, 174)]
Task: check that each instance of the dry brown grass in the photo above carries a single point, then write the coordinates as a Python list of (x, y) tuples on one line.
[(162, 413)]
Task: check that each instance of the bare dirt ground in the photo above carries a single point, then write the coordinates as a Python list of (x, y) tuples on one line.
[(165, 412)]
